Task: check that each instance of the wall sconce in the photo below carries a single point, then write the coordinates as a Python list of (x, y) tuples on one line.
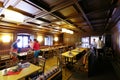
[(6, 38), (56, 39), (40, 38)]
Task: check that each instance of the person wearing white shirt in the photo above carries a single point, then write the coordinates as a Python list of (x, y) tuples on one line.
[(100, 45)]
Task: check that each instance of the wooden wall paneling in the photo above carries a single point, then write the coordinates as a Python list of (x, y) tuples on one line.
[(71, 39), (5, 46), (116, 47), (116, 39), (61, 38), (40, 34)]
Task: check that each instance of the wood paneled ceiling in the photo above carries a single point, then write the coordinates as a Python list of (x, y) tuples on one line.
[(86, 16)]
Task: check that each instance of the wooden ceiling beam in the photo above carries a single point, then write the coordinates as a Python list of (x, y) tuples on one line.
[(22, 12), (61, 6), (97, 21), (15, 26), (73, 16), (56, 8), (115, 18), (102, 11), (98, 25), (83, 13), (113, 6)]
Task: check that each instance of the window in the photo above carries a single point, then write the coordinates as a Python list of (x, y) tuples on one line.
[(23, 41), (85, 42), (94, 37), (48, 40)]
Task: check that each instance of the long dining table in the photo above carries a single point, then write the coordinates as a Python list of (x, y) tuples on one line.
[(23, 74), (70, 55)]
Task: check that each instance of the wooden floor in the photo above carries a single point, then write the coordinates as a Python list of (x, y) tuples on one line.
[(104, 71), (66, 72), (51, 62)]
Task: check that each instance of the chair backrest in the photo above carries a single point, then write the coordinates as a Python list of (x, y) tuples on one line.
[(42, 63), (30, 56)]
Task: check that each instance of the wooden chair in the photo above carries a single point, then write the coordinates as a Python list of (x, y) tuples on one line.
[(60, 59), (41, 63), (50, 53), (82, 64), (30, 57), (109, 53), (46, 54)]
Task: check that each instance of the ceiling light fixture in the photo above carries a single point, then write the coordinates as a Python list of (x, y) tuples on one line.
[(67, 31)]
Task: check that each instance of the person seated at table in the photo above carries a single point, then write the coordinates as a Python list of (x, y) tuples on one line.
[(14, 49), (36, 48)]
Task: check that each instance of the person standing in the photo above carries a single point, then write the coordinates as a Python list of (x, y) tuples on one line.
[(100, 45), (36, 48), (94, 46), (14, 50)]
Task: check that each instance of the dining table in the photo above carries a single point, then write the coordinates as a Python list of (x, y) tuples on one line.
[(71, 54), (25, 72)]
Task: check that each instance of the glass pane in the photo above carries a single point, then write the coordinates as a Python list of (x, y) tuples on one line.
[(19, 43), (49, 40), (25, 41), (85, 42), (94, 37), (46, 40)]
